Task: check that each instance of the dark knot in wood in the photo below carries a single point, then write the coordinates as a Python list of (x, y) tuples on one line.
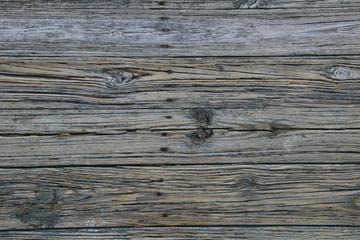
[(200, 136), (247, 182), (201, 115)]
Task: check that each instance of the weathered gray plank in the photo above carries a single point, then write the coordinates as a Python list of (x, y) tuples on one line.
[(80, 32), (91, 96), (196, 146), (178, 4), (185, 83), (180, 195), (110, 120), (186, 233)]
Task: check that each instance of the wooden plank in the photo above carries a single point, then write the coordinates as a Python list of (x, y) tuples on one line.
[(111, 120), (196, 146), (178, 4), (186, 233), (81, 32), (180, 196), (44, 96), (184, 83)]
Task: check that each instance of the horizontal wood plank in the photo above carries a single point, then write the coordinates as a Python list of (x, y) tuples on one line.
[(185, 233), (185, 83), (111, 120), (180, 195), (178, 4), (44, 96), (114, 32), (196, 146)]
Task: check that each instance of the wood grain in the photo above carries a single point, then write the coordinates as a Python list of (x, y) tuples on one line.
[(47, 96), (196, 146), (180, 5), (185, 233), (180, 195), (113, 32), (219, 82), (179, 119)]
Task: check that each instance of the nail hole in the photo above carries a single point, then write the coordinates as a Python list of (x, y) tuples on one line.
[(161, 3), (169, 71), (164, 18), (165, 30), (164, 134), (158, 194), (168, 117), (164, 215), (164, 149), (165, 46), (161, 179), (170, 100)]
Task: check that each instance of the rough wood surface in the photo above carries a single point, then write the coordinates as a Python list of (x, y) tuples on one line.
[(196, 146), (181, 5), (179, 119), (45, 96), (185, 233), (112, 32), (180, 195)]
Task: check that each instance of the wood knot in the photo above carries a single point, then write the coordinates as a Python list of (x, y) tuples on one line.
[(119, 79), (200, 136), (247, 182), (340, 73), (202, 115)]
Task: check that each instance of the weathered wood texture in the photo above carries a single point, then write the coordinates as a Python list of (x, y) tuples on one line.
[(185, 233), (51, 96), (183, 5), (42, 30), (180, 195), (260, 97), (182, 147)]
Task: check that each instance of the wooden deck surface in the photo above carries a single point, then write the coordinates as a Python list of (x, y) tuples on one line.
[(178, 119)]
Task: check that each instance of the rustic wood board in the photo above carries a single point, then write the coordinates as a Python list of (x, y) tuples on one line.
[(180, 195), (113, 32), (178, 119), (185, 233), (195, 146)]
